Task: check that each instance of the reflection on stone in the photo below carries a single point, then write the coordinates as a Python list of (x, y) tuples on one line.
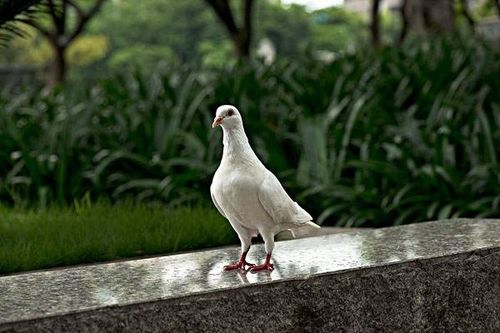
[(38, 294)]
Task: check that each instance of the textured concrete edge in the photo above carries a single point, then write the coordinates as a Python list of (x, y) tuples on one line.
[(449, 292), (301, 278), (236, 247)]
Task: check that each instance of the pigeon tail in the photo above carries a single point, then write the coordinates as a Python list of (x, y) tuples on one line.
[(314, 225), (301, 216), (307, 224), (303, 219)]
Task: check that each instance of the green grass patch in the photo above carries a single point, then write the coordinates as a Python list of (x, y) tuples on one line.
[(42, 238)]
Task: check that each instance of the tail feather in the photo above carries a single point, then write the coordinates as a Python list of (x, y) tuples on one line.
[(295, 230), (312, 224), (301, 216)]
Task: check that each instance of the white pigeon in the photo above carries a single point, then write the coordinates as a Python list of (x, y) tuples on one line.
[(249, 195)]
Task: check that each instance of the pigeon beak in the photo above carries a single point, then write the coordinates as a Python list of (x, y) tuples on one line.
[(217, 122)]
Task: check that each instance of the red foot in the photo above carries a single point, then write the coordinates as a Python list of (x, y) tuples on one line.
[(239, 265), (264, 267)]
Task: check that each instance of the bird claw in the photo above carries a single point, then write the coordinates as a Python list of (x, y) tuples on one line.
[(264, 267), (238, 265)]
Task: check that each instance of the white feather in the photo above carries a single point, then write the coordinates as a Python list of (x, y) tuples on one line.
[(249, 195)]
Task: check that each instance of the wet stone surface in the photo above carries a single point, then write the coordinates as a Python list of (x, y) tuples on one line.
[(424, 275)]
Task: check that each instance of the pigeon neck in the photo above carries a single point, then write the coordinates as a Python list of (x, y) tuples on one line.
[(236, 144)]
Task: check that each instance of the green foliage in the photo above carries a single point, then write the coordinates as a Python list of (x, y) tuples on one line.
[(289, 28), (33, 239), (396, 136), (217, 55), (87, 49), (146, 57), (34, 49), (336, 29), (180, 26), (128, 136), (486, 9), (390, 27), (144, 33), (30, 48), (202, 37)]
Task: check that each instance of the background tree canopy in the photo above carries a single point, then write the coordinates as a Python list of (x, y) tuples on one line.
[(124, 30), (156, 23)]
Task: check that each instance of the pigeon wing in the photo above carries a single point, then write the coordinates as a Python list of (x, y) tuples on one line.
[(277, 203)]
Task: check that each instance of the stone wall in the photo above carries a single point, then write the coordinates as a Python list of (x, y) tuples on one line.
[(430, 277)]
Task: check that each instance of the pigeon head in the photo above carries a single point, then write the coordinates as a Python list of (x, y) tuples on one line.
[(228, 117)]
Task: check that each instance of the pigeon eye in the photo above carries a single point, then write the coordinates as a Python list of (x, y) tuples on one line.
[(230, 112)]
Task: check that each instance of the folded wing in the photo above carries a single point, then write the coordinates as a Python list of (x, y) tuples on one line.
[(277, 203)]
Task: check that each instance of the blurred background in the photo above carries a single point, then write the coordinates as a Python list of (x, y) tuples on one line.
[(371, 112)]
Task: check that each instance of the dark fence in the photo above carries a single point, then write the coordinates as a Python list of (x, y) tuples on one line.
[(19, 75)]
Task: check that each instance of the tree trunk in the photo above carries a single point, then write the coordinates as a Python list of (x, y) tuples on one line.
[(246, 29), (404, 22), (375, 23), (240, 35), (58, 69), (497, 5), (429, 16), (241, 45), (468, 17)]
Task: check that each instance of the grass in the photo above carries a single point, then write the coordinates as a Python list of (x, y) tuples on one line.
[(41, 238)]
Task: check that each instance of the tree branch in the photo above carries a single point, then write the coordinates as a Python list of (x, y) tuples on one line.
[(223, 11), (58, 17), (246, 30), (375, 23), (83, 19), (78, 9), (497, 5), (466, 13), (247, 15), (404, 22)]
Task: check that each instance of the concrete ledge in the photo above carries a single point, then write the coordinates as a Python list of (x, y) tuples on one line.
[(432, 276)]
